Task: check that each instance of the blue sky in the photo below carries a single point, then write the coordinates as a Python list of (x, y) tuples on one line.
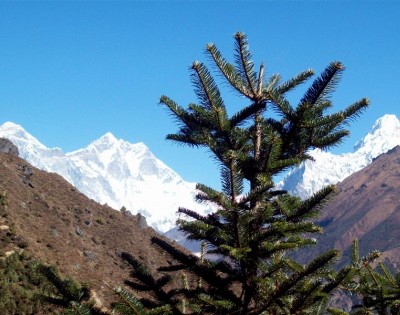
[(72, 71)]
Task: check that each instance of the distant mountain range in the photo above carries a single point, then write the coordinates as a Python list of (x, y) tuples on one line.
[(119, 173), (113, 172)]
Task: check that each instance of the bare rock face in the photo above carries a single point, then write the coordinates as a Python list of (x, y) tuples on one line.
[(6, 146)]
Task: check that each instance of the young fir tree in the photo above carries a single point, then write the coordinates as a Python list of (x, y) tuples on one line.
[(376, 288), (254, 231), (64, 293)]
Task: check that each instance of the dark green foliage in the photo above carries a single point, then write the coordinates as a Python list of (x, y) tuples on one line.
[(67, 294), (65, 290), (160, 300), (128, 304), (378, 288), (76, 308), (19, 286), (254, 231), (146, 282)]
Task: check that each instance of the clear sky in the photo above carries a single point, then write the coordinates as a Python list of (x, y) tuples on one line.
[(72, 71)]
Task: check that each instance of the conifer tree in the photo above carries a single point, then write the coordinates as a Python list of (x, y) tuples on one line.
[(377, 288), (255, 229), (66, 293)]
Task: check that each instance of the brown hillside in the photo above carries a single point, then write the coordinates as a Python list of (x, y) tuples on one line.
[(367, 208), (49, 218)]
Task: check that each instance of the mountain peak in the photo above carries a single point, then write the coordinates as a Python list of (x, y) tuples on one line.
[(389, 124), (384, 135), (12, 128), (388, 119), (106, 141), (11, 125), (18, 135), (108, 137)]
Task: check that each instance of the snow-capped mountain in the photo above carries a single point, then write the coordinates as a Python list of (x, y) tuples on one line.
[(329, 168), (115, 172), (120, 173)]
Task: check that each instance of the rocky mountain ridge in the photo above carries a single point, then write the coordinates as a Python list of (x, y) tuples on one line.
[(43, 215)]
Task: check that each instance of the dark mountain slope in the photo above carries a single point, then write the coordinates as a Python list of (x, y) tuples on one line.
[(366, 207), (43, 214)]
